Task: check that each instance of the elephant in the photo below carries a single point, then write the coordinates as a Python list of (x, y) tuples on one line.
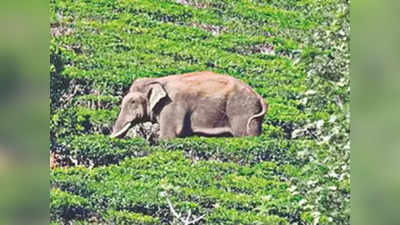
[(198, 103)]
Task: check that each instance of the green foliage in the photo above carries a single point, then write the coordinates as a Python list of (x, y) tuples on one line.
[(135, 185), (66, 206), (125, 218), (293, 53), (237, 217), (241, 150), (102, 150)]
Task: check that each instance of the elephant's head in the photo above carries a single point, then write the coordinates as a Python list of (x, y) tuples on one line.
[(137, 107)]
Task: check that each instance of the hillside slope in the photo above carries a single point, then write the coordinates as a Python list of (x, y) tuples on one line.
[(293, 53)]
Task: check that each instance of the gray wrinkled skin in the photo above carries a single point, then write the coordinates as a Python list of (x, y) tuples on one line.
[(199, 103)]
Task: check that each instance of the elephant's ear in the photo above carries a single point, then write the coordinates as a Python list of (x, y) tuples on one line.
[(156, 93)]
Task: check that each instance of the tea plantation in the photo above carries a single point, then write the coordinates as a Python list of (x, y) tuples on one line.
[(294, 53)]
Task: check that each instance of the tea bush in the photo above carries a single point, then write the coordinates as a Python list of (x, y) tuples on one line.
[(66, 206), (295, 54), (123, 218)]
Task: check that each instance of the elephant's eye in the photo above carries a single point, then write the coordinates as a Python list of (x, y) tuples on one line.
[(133, 101)]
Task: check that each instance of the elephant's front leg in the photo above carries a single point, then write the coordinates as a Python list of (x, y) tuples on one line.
[(172, 122)]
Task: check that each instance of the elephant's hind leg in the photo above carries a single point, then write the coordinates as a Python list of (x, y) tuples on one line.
[(254, 127), (239, 126)]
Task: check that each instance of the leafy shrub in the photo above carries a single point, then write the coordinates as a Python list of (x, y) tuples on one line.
[(66, 206), (98, 150), (124, 218), (241, 150)]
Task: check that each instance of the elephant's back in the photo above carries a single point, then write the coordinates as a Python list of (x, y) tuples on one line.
[(201, 84)]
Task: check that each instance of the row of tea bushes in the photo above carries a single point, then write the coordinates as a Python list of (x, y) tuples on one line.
[(96, 150), (264, 191)]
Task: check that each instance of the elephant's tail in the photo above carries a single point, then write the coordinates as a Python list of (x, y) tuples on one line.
[(264, 108)]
